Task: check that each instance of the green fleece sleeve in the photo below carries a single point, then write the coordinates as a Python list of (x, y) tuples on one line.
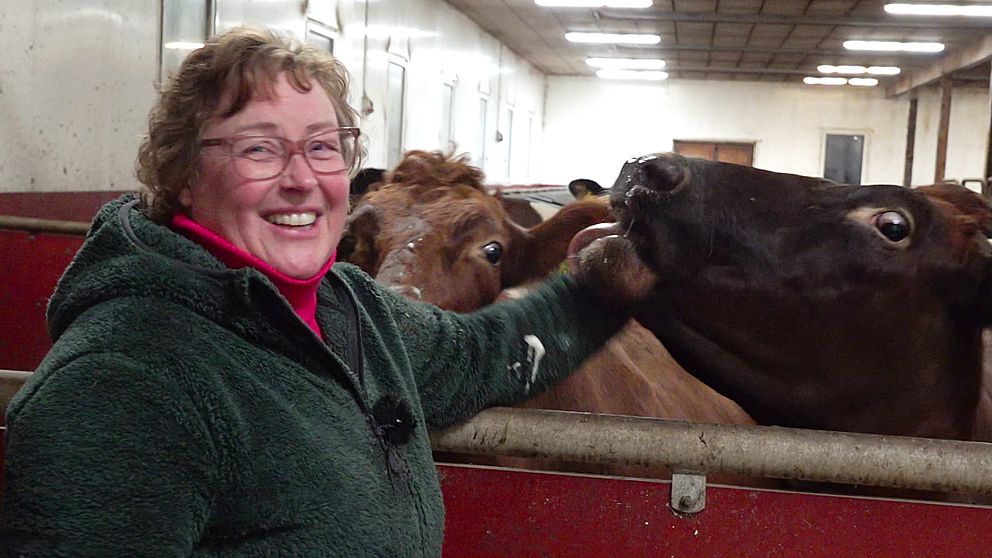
[(505, 353), (104, 459)]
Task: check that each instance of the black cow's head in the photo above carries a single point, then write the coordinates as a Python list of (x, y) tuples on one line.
[(810, 303)]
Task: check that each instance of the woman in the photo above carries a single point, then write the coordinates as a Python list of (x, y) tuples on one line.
[(215, 386)]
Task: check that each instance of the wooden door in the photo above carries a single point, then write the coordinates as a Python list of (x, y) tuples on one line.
[(727, 152)]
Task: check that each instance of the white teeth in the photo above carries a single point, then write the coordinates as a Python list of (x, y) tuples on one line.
[(293, 219)]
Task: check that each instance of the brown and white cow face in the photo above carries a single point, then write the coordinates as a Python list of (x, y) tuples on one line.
[(814, 304), (434, 234)]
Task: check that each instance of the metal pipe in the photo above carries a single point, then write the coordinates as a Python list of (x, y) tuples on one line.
[(775, 19), (31, 224), (10, 382), (758, 451)]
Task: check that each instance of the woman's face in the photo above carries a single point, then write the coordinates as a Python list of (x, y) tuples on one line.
[(292, 221)]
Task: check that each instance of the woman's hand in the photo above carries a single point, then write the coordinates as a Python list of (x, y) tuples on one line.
[(605, 261)]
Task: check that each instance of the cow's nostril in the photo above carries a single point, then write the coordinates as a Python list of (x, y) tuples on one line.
[(662, 174)]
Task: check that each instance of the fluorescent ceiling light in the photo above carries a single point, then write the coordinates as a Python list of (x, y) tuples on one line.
[(594, 3), (855, 70), (813, 80), (863, 82), (883, 70), (182, 45), (939, 10), (618, 38), (891, 46), (626, 63), (630, 74)]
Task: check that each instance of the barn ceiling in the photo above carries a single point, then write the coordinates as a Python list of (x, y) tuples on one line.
[(753, 40)]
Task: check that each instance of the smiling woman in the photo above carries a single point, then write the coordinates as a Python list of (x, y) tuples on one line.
[(215, 386), (287, 210)]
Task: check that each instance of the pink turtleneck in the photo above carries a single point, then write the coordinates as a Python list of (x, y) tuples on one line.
[(301, 293)]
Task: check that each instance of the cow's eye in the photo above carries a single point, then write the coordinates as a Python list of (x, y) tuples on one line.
[(893, 225), (493, 252)]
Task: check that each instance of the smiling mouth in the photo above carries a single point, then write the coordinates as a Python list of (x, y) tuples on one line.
[(304, 219)]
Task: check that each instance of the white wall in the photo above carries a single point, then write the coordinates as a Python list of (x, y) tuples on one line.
[(438, 45), (592, 126), (966, 137), (77, 80), (75, 88)]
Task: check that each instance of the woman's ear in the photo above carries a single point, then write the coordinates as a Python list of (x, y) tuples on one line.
[(186, 197)]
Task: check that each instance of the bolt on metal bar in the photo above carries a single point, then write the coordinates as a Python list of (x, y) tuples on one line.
[(758, 451), (31, 224), (10, 382)]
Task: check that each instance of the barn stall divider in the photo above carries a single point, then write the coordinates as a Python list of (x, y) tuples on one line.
[(505, 512)]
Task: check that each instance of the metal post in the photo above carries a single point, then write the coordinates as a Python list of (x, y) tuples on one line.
[(946, 88), (907, 175)]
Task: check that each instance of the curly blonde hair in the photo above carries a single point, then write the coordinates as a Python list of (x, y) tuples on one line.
[(236, 65)]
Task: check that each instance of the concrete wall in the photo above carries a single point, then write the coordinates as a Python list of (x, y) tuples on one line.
[(592, 126), (76, 84), (77, 80)]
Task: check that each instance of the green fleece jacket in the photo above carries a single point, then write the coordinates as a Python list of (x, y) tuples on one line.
[(186, 410)]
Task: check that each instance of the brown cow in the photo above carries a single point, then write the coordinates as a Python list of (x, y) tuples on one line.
[(434, 234), (813, 304)]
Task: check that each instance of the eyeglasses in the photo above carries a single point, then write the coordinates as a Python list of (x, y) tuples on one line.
[(263, 157)]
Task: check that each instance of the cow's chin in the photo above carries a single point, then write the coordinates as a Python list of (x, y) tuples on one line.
[(607, 262)]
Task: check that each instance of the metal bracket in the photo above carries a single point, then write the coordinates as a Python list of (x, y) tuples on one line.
[(688, 493)]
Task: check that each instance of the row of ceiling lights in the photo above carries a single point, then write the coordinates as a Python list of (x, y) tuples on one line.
[(650, 69)]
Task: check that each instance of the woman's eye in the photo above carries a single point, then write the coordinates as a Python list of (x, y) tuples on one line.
[(257, 149), (893, 225), (323, 148), (493, 252), (324, 145)]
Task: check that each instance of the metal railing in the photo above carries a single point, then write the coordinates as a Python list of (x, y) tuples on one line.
[(758, 451), (10, 382), (31, 224)]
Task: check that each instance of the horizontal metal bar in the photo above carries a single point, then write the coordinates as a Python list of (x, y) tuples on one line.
[(736, 70), (875, 22), (758, 451), (31, 224), (10, 382), (668, 47)]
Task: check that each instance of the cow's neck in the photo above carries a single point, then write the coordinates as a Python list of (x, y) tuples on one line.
[(904, 388)]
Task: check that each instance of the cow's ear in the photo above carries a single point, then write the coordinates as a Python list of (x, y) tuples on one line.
[(542, 249), (359, 242), (963, 200)]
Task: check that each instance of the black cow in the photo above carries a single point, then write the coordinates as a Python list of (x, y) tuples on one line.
[(813, 304)]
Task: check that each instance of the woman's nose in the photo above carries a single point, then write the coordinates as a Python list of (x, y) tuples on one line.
[(298, 172)]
